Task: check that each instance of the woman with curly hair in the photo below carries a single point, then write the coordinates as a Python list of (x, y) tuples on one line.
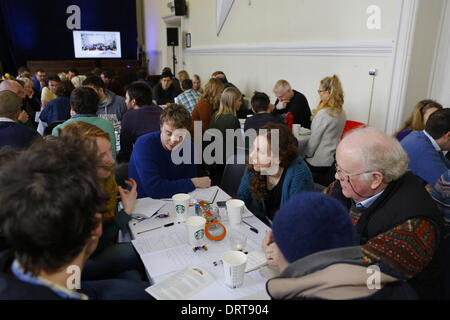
[(418, 118), (328, 121), (275, 172)]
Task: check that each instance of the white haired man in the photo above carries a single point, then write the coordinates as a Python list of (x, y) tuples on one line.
[(291, 101), (397, 224)]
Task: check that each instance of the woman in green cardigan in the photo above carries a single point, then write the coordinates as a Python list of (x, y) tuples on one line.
[(222, 120)]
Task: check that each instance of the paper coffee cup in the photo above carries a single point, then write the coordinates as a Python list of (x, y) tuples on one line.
[(235, 208), (196, 230), (234, 268), (181, 206)]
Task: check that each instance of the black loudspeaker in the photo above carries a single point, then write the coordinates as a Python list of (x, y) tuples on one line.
[(180, 7), (172, 36)]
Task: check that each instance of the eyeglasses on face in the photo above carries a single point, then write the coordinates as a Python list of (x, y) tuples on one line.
[(342, 175)]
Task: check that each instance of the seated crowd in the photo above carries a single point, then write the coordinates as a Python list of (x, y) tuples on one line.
[(337, 204)]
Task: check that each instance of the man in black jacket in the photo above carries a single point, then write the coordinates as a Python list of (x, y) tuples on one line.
[(291, 101), (165, 91)]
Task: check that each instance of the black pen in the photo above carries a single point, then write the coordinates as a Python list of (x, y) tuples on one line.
[(166, 225), (215, 195), (251, 227)]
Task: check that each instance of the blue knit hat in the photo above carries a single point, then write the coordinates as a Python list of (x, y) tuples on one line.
[(311, 222)]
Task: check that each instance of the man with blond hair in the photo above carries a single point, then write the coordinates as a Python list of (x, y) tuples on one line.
[(397, 223), (291, 101)]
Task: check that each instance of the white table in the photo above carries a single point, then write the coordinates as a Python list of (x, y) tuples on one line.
[(167, 252)]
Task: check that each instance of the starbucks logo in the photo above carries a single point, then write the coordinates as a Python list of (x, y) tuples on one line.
[(180, 209), (199, 234)]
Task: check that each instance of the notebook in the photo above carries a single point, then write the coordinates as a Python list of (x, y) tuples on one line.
[(255, 260)]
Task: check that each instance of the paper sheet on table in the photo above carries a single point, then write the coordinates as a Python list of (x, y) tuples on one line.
[(182, 285), (206, 194), (169, 260), (148, 206), (255, 260), (161, 239), (254, 283)]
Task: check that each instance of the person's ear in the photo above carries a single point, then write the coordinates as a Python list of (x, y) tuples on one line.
[(98, 230), (378, 178)]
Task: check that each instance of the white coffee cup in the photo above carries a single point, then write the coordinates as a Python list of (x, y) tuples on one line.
[(234, 268), (296, 129), (196, 230), (181, 206), (235, 208)]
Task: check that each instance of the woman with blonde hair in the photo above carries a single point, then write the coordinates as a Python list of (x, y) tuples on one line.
[(418, 118), (197, 83), (110, 259), (208, 104), (182, 75), (328, 121), (223, 119)]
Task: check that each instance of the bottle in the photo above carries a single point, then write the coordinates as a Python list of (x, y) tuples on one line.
[(289, 120)]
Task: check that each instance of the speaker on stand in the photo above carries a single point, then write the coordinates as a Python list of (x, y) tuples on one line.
[(172, 40)]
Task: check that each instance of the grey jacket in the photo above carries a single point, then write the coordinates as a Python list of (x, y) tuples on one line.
[(326, 131), (114, 105), (338, 274)]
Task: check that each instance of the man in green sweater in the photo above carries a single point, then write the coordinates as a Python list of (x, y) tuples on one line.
[(84, 106)]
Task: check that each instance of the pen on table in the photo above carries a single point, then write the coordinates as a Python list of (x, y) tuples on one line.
[(251, 227), (215, 195), (166, 225)]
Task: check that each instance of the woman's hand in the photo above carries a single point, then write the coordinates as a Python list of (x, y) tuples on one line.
[(128, 197)]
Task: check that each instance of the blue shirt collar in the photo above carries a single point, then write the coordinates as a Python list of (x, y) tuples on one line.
[(368, 202), (433, 142)]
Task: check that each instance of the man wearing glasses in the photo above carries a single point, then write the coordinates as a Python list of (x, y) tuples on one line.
[(397, 224)]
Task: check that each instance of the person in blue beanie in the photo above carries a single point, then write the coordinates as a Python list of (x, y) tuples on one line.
[(313, 245)]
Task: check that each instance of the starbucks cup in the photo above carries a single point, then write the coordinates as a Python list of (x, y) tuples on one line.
[(181, 205), (196, 230), (234, 268), (235, 208)]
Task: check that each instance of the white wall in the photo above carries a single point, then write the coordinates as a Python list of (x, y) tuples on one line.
[(423, 53), (441, 71), (301, 41)]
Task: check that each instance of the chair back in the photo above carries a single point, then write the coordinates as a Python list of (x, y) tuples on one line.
[(351, 125), (232, 175)]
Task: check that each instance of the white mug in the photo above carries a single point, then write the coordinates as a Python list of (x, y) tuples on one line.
[(234, 268), (196, 230), (181, 206), (235, 208)]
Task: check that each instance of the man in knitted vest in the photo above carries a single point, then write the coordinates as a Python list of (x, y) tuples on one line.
[(396, 220)]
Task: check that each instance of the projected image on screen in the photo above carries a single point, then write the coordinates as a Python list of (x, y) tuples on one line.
[(97, 44)]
